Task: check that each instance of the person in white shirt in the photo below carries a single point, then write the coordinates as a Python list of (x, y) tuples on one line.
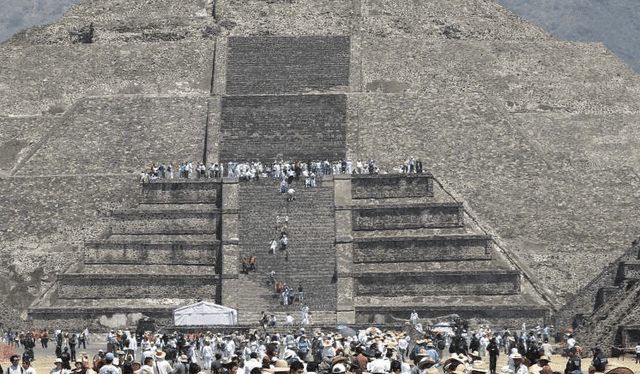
[(207, 354), (28, 369), (252, 363), (571, 342), (161, 366)]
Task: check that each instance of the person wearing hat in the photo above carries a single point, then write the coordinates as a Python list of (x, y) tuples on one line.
[(147, 367), (479, 367), (161, 366), (450, 364), (425, 365), (180, 366), (519, 366), (377, 369), (58, 367), (421, 345), (108, 367), (280, 366), (338, 369), (543, 363), (328, 351), (79, 369)]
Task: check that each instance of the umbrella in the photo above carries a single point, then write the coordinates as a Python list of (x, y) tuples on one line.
[(346, 331)]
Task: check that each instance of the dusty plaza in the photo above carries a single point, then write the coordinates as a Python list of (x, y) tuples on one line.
[(350, 163)]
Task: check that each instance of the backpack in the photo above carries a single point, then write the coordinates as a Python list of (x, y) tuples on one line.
[(600, 363)]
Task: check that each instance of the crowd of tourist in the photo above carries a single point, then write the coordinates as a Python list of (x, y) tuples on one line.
[(445, 350), (286, 171)]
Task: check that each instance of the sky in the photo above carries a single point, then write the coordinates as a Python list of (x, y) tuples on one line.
[(616, 23)]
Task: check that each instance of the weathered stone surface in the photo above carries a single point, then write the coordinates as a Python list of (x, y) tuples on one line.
[(270, 128), (422, 249), (132, 286), (196, 192), (69, 73), (278, 65), (390, 186), (176, 253), (123, 135), (534, 134), (432, 283), (409, 217)]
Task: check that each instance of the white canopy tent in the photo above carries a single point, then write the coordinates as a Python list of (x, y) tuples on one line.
[(204, 313)]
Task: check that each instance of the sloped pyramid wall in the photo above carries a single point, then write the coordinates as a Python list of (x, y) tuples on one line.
[(536, 135)]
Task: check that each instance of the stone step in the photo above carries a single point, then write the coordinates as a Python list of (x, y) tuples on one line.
[(131, 286), (400, 217), (177, 253), (628, 270), (150, 269), (176, 208), (422, 249), (315, 317), (182, 191), (191, 238), (171, 222), (391, 186), (487, 282)]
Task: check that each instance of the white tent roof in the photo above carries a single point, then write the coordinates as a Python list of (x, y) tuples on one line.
[(204, 313)]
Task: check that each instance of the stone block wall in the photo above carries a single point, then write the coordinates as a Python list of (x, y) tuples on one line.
[(175, 253), (628, 271), (604, 294), (165, 223), (437, 283), (395, 250), (181, 192), (269, 128), (132, 286), (277, 65), (407, 217), (385, 186)]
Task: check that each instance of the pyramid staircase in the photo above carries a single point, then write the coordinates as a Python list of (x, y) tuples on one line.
[(615, 320), (161, 255), (411, 247), (309, 259)]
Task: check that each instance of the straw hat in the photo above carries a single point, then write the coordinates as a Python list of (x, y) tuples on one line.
[(544, 358), (479, 367), (426, 360), (338, 360), (281, 366), (338, 368), (160, 354), (327, 343)]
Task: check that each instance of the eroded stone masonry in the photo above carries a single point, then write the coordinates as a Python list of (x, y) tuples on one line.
[(530, 147)]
